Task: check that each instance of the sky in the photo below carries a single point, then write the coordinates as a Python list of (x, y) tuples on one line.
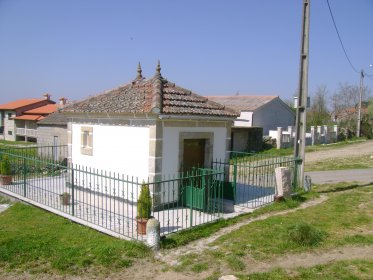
[(76, 49)]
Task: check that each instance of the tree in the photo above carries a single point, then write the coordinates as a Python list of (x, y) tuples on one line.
[(319, 114), (345, 104)]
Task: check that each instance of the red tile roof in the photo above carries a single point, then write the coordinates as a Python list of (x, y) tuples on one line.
[(29, 117), (20, 103), (43, 110), (156, 95)]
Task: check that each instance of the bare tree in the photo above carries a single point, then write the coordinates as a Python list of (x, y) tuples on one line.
[(318, 114)]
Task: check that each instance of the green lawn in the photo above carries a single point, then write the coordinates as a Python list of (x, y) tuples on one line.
[(355, 162), (37, 241), (345, 219), (315, 148)]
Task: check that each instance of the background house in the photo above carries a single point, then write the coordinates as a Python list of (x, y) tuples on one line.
[(148, 128), (267, 112), (18, 118)]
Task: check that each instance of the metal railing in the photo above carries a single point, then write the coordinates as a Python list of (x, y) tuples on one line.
[(250, 178), (108, 200), (26, 132)]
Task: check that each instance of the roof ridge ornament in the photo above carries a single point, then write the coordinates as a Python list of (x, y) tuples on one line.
[(158, 70), (157, 90), (139, 71)]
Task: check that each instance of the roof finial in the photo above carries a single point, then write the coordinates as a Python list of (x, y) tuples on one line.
[(139, 71), (158, 69)]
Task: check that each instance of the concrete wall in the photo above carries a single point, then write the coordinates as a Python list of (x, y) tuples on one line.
[(272, 115), (247, 139), (9, 126), (47, 134)]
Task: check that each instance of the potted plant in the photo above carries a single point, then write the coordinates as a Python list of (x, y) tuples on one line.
[(6, 171), (65, 198), (144, 208)]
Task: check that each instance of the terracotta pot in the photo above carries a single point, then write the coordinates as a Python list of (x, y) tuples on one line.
[(65, 199), (6, 179), (141, 225)]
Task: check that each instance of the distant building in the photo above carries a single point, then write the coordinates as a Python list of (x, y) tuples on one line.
[(267, 112), (19, 118)]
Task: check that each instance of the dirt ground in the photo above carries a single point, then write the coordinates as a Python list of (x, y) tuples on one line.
[(361, 148), (157, 269)]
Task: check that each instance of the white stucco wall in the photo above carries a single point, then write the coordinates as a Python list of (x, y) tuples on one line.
[(115, 148), (245, 119), (273, 115), (170, 160)]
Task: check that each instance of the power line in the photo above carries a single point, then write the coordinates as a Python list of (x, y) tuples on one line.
[(340, 40)]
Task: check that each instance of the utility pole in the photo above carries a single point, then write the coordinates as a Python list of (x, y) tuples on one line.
[(359, 106), (300, 121)]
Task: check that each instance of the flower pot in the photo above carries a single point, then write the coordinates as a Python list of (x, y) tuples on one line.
[(6, 179), (65, 198), (141, 225)]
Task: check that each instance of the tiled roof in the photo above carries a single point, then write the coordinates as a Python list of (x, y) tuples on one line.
[(29, 117), (244, 102), (43, 110), (156, 95), (56, 118), (19, 103)]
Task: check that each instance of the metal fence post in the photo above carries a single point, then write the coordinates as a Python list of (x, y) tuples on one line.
[(24, 177), (234, 180), (72, 192)]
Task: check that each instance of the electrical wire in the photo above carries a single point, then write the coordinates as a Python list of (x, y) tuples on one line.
[(340, 40)]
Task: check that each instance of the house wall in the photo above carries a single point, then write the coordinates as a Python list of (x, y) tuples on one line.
[(9, 126), (245, 119), (171, 142), (218, 139), (247, 139), (272, 115), (46, 134), (121, 149)]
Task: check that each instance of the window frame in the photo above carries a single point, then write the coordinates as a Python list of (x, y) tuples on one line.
[(86, 140)]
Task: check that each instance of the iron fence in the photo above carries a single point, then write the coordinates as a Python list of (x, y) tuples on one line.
[(108, 200), (250, 178)]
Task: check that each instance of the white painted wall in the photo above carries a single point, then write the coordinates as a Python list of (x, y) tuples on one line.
[(272, 115), (245, 119), (115, 148), (170, 160)]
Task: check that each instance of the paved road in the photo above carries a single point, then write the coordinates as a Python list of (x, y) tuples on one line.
[(335, 176)]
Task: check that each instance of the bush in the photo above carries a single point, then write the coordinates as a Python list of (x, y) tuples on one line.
[(144, 203), (5, 167), (305, 235)]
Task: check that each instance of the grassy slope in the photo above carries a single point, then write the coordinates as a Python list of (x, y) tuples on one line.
[(35, 240), (346, 219)]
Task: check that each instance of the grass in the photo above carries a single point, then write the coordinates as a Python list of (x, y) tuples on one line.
[(15, 143), (4, 200), (346, 219), (356, 162), (341, 270), (203, 231), (321, 147), (36, 241)]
